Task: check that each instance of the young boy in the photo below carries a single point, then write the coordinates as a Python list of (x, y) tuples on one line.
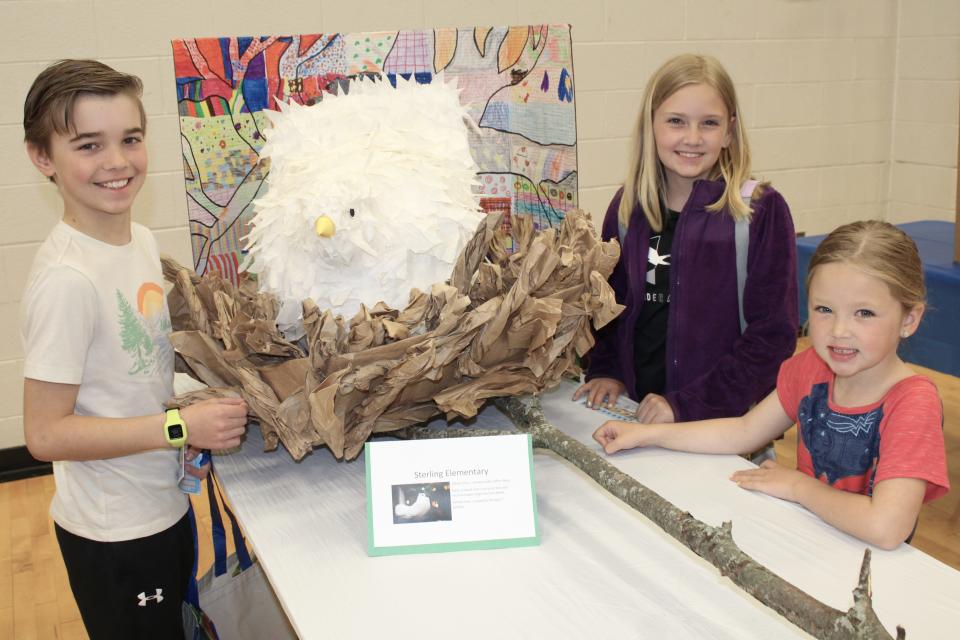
[(99, 364)]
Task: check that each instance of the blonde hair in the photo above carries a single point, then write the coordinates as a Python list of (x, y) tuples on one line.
[(645, 180), (879, 249)]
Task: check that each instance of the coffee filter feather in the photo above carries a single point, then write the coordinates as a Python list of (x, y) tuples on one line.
[(391, 170)]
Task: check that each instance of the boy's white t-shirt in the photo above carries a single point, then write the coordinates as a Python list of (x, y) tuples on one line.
[(95, 314)]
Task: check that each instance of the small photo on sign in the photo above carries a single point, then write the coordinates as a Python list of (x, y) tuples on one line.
[(423, 502)]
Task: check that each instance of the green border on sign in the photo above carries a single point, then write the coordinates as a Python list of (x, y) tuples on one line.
[(442, 547)]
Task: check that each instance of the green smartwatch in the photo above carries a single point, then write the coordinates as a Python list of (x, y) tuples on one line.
[(175, 429)]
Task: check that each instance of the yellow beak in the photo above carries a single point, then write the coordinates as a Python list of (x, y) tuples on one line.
[(325, 227)]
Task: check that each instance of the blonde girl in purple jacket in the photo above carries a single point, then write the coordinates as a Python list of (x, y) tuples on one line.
[(691, 343)]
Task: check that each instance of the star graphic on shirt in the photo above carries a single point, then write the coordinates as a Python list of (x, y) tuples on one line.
[(655, 259)]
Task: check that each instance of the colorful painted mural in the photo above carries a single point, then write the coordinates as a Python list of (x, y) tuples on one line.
[(517, 83)]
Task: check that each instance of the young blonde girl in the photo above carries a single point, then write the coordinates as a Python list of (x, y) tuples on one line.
[(870, 448), (679, 347)]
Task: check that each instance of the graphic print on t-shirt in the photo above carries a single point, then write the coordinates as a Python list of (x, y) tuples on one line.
[(654, 259), (843, 447), (145, 330)]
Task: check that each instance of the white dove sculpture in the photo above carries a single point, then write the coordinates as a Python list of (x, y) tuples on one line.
[(414, 510), (369, 195)]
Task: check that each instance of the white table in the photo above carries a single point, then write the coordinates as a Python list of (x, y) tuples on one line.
[(602, 570)]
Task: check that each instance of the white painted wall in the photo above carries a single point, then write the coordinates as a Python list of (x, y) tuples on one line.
[(923, 156)]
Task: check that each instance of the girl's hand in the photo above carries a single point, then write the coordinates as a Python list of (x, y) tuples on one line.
[(655, 409), (614, 435), (203, 471), (600, 391), (772, 479)]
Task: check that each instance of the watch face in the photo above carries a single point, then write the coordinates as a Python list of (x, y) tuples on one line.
[(175, 431)]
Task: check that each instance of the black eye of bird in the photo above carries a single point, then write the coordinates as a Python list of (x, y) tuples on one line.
[(352, 213)]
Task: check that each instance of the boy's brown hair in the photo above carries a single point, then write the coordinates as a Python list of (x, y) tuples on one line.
[(48, 108)]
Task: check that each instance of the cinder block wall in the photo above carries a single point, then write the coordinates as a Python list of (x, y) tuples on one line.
[(923, 156), (851, 105)]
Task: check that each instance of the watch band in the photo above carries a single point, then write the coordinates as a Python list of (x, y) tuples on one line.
[(175, 429)]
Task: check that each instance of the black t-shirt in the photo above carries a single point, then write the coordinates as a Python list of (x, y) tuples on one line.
[(650, 339)]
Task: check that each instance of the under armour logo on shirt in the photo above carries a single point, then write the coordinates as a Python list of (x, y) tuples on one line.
[(157, 598), (655, 259)]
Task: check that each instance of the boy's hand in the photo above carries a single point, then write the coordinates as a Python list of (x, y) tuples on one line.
[(772, 479), (204, 469), (614, 435), (217, 423), (600, 391), (654, 409)]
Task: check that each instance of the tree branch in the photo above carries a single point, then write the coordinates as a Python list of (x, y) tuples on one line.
[(714, 544)]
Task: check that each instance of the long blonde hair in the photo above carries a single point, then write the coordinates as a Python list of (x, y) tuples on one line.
[(645, 180), (879, 249)]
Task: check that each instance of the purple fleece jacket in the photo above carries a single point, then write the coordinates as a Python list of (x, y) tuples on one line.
[(712, 370)]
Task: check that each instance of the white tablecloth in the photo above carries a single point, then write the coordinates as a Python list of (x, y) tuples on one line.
[(601, 571)]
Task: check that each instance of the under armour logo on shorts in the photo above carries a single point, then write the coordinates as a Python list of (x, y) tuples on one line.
[(158, 597)]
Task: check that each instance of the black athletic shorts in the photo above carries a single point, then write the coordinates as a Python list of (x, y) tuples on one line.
[(134, 588)]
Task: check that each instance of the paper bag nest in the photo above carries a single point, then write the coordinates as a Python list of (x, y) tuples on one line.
[(504, 324)]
